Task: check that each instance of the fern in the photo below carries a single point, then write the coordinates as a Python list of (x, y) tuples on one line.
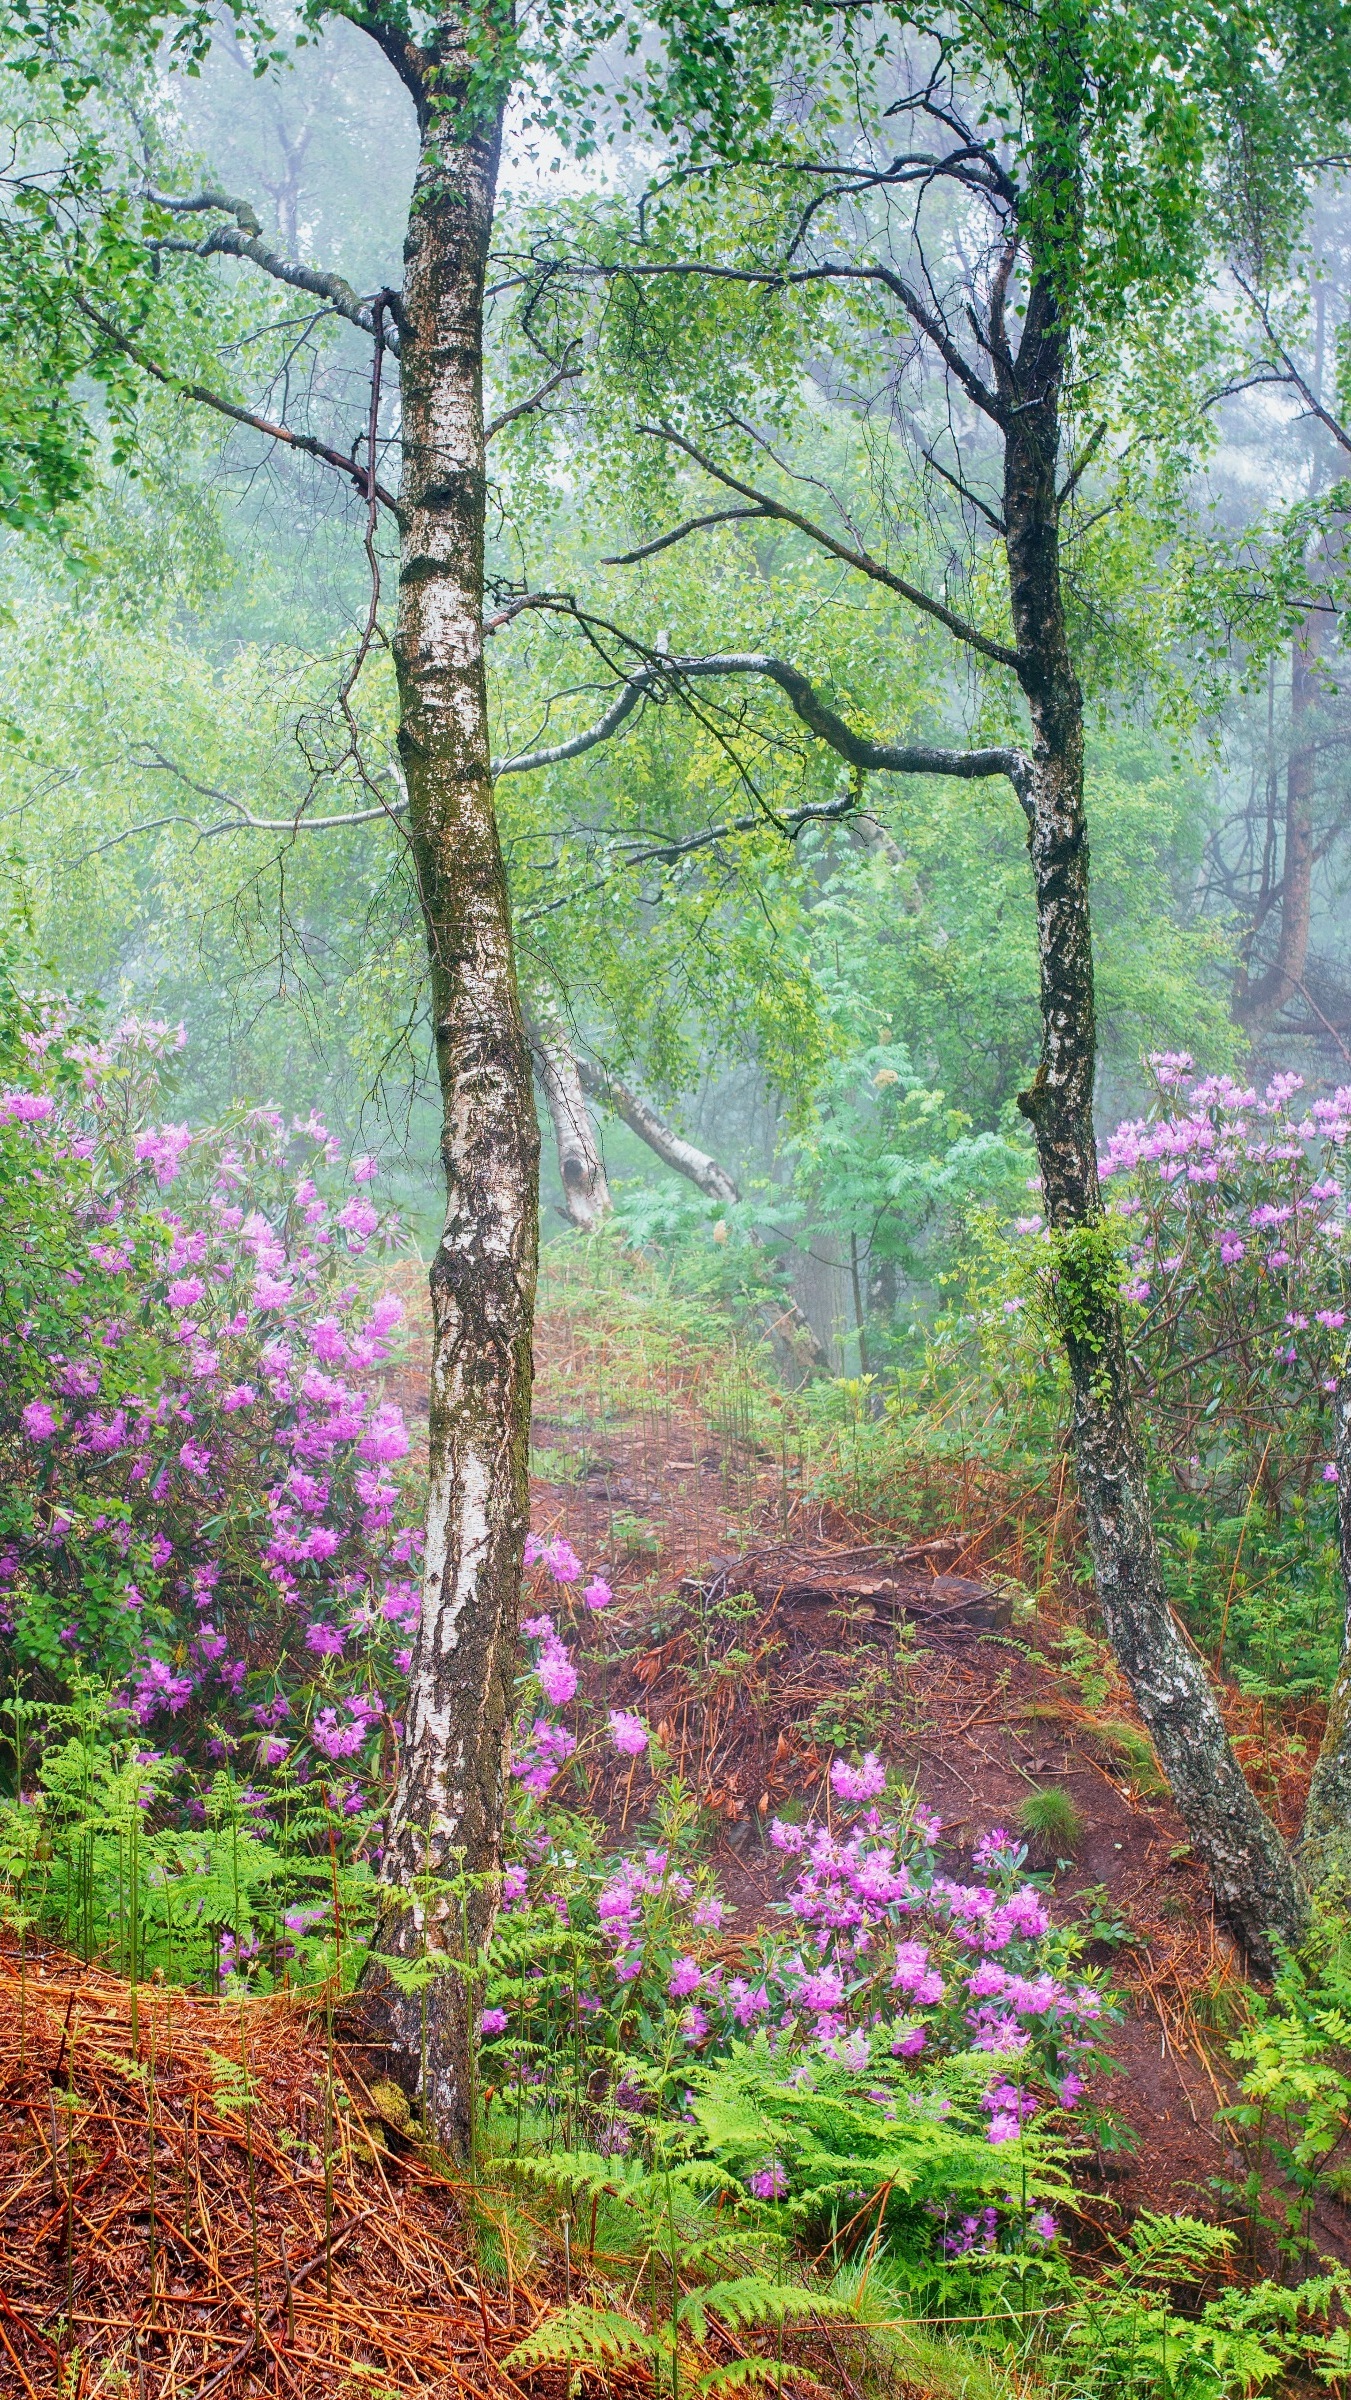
[(579, 2336), (749, 2300)]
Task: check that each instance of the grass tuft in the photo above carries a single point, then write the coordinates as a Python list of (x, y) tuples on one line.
[(1051, 1819)]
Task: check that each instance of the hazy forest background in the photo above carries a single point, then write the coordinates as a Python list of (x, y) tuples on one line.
[(642, 581)]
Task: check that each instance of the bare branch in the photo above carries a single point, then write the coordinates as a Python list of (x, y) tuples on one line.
[(717, 516), (974, 500), (522, 408), (862, 560), (1340, 433), (1089, 452), (245, 240), (601, 731), (243, 817), (304, 442)]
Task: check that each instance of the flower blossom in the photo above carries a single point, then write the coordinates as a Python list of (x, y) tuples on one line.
[(867, 1782)]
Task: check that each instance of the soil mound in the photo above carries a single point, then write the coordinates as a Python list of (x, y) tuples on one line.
[(202, 2198)]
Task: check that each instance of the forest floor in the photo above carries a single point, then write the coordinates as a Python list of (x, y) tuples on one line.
[(913, 1634), (166, 2139)]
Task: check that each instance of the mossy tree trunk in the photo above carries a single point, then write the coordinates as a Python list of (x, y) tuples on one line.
[(447, 1813)]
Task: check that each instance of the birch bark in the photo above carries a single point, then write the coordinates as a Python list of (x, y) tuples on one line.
[(447, 1812), (586, 1189), (1256, 1888)]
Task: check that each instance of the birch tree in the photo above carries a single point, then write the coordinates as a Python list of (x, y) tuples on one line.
[(1006, 197)]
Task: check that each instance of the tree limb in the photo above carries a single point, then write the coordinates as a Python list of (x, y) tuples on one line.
[(859, 750), (862, 560), (304, 442), (716, 516), (522, 408), (245, 240), (1290, 372)]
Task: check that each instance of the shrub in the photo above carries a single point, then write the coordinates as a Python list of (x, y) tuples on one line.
[(207, 1561)]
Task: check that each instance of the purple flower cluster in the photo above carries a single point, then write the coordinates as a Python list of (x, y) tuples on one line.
[(1237, 1229), (199, 1404)]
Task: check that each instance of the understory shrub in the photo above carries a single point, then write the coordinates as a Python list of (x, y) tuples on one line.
[(207, 1550)]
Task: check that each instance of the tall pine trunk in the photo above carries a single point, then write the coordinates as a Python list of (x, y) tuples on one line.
[(447, 1812), (1256, 1889)]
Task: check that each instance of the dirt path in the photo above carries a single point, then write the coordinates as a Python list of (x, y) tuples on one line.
[(654, 1478)]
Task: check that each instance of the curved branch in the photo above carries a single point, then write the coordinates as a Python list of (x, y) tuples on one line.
[(664, 541), (862, 560), (859, 750), (601, 731), (671, 1147), (304, 442), (245, 240), (782, 279), (523, 408), (1290, 373)]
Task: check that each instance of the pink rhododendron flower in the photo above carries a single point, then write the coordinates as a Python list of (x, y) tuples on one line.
[(628, 1733), (912, 1965), (598, 1594), (358, 1220), (386, 1437), (39, 1421), (557, 1674), (859, 1783)]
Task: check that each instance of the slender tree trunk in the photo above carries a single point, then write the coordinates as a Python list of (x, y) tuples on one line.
[(1325, 1839), (671, 1147), (1255, 1886), (586, 1190), (1263, 1000), (447, 1812)]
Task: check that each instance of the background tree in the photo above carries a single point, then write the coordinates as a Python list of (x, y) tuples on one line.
[(974, 210)]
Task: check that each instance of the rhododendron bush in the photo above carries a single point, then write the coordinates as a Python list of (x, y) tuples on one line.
[(203, 1509), (1233, 1215), (899, 2027), (1238, 1257)]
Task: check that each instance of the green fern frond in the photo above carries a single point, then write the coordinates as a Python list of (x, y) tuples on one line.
[(747, 2300), (579, 2336), (739, 2373), (581, 2173)]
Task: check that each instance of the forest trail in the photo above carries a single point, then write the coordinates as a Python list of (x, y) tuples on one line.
[(172, 2145), (919, 1639)]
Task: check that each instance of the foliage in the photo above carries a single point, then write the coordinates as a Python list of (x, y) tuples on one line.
[(838, 2060), (1293, 2113), (199, 1513), (1227, 1214), (1125, 2336)]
